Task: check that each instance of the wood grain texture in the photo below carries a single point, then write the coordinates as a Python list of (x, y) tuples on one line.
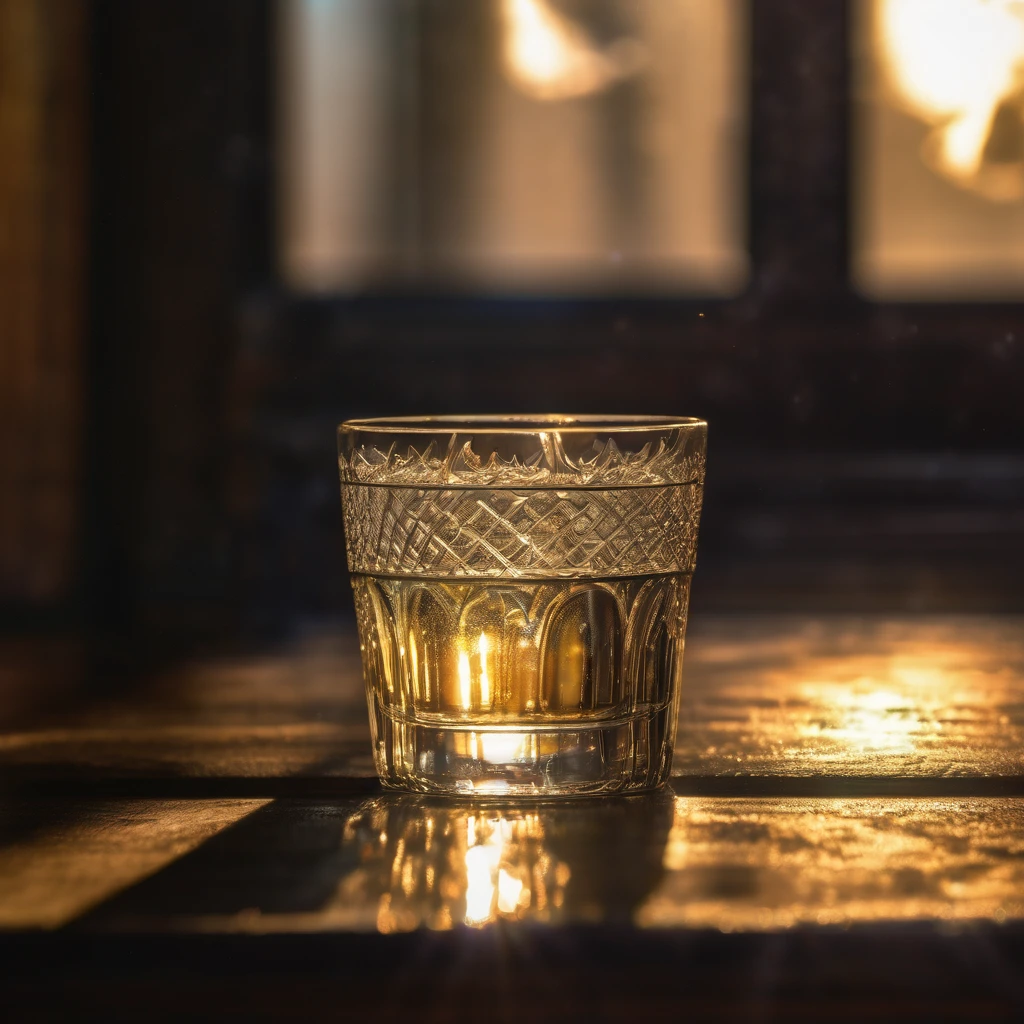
[(395, 864), (867, 704), (828, 770), (68, 857), (217, 842)]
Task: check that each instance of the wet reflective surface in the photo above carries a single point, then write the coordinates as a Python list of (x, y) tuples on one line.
[(439, 866), (778, 696), (935, 697), (828, 772), (396, 864), (772, 863)]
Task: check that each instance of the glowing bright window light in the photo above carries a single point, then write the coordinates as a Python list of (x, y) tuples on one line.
[(954, 62), (548, 57)]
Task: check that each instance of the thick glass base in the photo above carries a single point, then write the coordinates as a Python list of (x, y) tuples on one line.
[(523, 688), (571, 759)]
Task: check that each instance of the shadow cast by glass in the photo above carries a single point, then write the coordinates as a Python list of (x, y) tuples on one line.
[(398, 863)]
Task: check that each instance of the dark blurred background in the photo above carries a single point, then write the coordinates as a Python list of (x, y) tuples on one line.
[(228, 226)]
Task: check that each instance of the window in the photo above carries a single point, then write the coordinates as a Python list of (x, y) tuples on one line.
[(939, 210), (513, 146)]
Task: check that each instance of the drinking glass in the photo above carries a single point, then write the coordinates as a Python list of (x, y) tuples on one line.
[(521, 588)]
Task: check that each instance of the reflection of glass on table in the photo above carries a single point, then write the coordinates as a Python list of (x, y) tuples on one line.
[(436, 864)]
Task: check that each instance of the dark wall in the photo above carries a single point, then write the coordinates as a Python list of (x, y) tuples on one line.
[(44, 57), (180, 236)]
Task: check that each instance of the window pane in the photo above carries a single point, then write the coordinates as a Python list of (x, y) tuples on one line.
[(940, 157), (513, 145)]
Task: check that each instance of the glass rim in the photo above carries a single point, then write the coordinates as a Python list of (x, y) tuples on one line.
[(519, 423), (522, 450)]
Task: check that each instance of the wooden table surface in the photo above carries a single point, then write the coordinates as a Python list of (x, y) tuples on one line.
[(844, 834)]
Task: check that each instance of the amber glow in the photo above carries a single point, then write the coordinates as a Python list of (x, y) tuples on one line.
[(507, 869), (494, 883), (955, 63), (856, 698), (912, 704), (775, 863), (453, 867), (480, 681), (876, 721), (484, 647), (502, 747), (549, 57), (481, 859), (510, 889), (882, 708), (465, 682)]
